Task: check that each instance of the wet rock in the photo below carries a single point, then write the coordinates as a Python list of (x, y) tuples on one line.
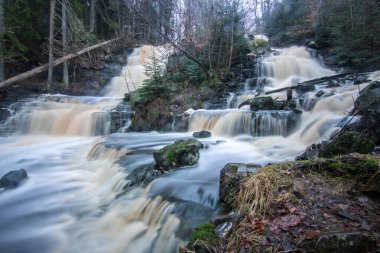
[(180, 122), (319, 93), (202, 134), (231, 176), (181, 153), (310, 153), (344, 242), (348, 142), (142, 176), (360, 79), (261, 103), (332, 84), (225, 224), (13, 179), (304, 88)]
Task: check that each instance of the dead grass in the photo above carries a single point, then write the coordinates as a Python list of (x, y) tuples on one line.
[(260, 190)]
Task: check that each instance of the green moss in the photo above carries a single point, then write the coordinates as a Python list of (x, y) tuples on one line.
[(205, 232), (180, 153), (348, 142)]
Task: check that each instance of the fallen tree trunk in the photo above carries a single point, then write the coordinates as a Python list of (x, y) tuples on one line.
[(44, 67), (313, 81)]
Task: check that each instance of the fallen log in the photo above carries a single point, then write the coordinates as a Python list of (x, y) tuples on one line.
[(309, 82), (44, 67)]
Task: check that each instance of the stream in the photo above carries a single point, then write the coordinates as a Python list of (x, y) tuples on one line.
[(78, 197)]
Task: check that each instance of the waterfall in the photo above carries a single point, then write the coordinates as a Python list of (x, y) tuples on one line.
[(291, 65), (85, 193), (240, 122)]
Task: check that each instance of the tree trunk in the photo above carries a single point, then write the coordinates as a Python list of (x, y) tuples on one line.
[(65, 76), (51, 40), (232, 37), (44, 67), (2, 52), (92, 16)]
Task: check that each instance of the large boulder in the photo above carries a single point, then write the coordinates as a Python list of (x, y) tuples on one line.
[(368, 106), (231, 176), (344, 242), (346, 143), (181, 153), (13, 179)]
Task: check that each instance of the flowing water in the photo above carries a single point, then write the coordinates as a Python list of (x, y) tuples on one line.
[(81, 195)]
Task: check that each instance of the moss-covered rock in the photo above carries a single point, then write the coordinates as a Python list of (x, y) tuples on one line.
[(348, 142), (181, 153), (368, 106), (259, 46), (231, 177)]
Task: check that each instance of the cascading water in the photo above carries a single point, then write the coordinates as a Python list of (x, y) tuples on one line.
[(81, 195)]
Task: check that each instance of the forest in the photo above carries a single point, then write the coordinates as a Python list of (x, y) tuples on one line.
[(190, 126), (210, 33)]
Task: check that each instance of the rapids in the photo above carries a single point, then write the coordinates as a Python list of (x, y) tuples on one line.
[(78, 197)]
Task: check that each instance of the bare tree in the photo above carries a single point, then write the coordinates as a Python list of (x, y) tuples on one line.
[(51, 44), (64, 43), (2, 30), (92, 16)]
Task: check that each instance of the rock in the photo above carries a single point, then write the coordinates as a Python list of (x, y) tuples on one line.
[(180, 122), (360, 169), (310, 153), (360, 79), (344, 242), (181, 153), (202, 134), (369, 100), (313, 44), (231, 177), (225, 224), (299, 189), (348, 142), (13, 179), (142, 176), (261, 103), (319, 93), (304, 88), (332, 84), (368, 105)]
